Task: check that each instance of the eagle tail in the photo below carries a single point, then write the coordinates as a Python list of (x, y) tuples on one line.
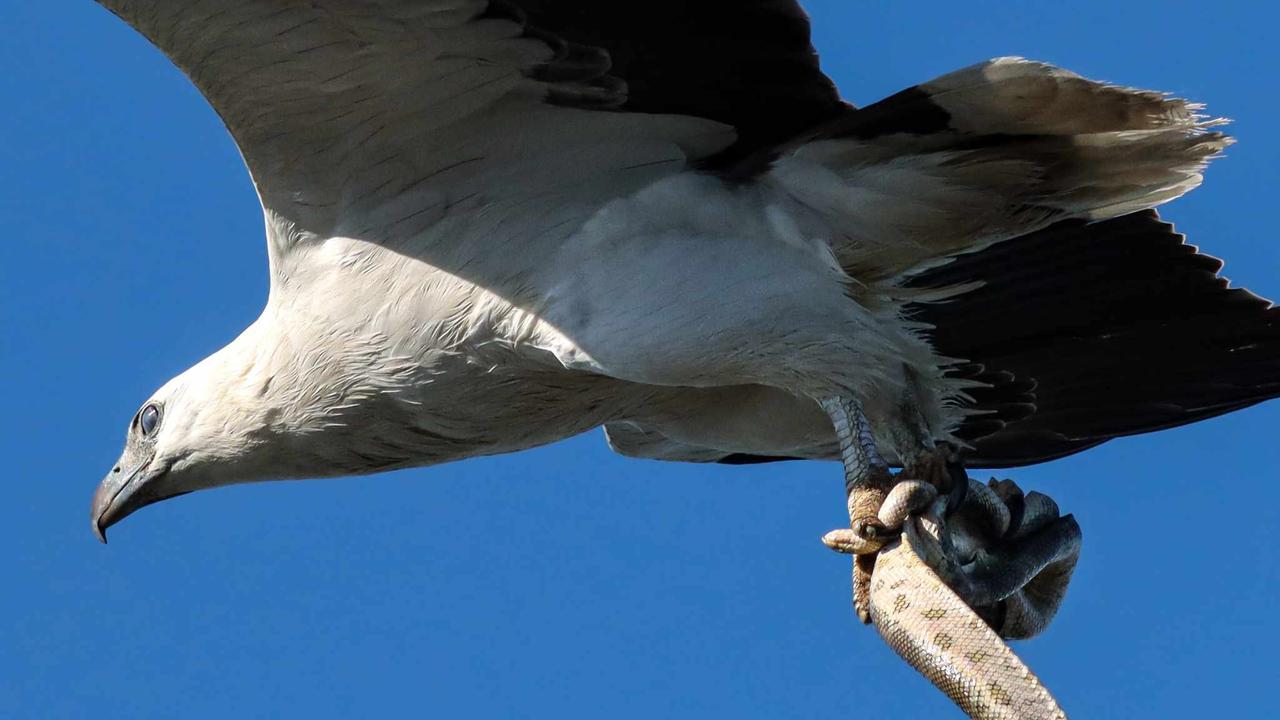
[(986, 154)]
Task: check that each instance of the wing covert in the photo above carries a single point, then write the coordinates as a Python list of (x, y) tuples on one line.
[(339, 105)]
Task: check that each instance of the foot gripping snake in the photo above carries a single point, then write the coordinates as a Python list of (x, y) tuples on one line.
[(946, 579), (944, 597)]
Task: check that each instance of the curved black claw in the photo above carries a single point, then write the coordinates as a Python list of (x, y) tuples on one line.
[(959, 480)]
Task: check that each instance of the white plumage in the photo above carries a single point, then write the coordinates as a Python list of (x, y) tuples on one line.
[(476, 247)]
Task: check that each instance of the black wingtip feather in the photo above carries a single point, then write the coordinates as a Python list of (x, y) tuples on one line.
[(1122, 326), (749, 64)]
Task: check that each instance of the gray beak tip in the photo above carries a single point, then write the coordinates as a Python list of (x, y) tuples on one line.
[(102, 499), (123, 493)]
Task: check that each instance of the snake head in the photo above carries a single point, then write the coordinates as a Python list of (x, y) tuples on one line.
[(865, 536), (872, 531)]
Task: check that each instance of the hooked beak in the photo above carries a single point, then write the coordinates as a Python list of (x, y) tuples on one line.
[(122, 492)]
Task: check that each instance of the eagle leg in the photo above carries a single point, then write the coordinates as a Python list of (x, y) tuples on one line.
[(923, 458), (867, 483), (1009, 556), (963, 552)]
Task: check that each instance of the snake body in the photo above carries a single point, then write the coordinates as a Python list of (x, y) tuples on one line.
[(945, 578), (931, 628), (938, 632)]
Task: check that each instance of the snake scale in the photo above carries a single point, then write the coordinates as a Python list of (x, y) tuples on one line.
[(937, 631), (947, 578)]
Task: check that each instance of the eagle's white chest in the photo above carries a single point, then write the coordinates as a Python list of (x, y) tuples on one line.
[(382, 350)]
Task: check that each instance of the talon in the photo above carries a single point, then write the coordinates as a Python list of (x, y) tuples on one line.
[(959, 489), (959, 492)]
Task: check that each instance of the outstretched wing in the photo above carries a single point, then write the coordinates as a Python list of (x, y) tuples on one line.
[(339, 106)]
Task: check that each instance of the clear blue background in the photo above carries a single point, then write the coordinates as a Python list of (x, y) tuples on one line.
[(566, 581)]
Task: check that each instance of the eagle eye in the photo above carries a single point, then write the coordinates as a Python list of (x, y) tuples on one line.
[(148, 419)]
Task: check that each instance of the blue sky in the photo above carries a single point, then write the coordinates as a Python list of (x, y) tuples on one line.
[(636, 589)]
